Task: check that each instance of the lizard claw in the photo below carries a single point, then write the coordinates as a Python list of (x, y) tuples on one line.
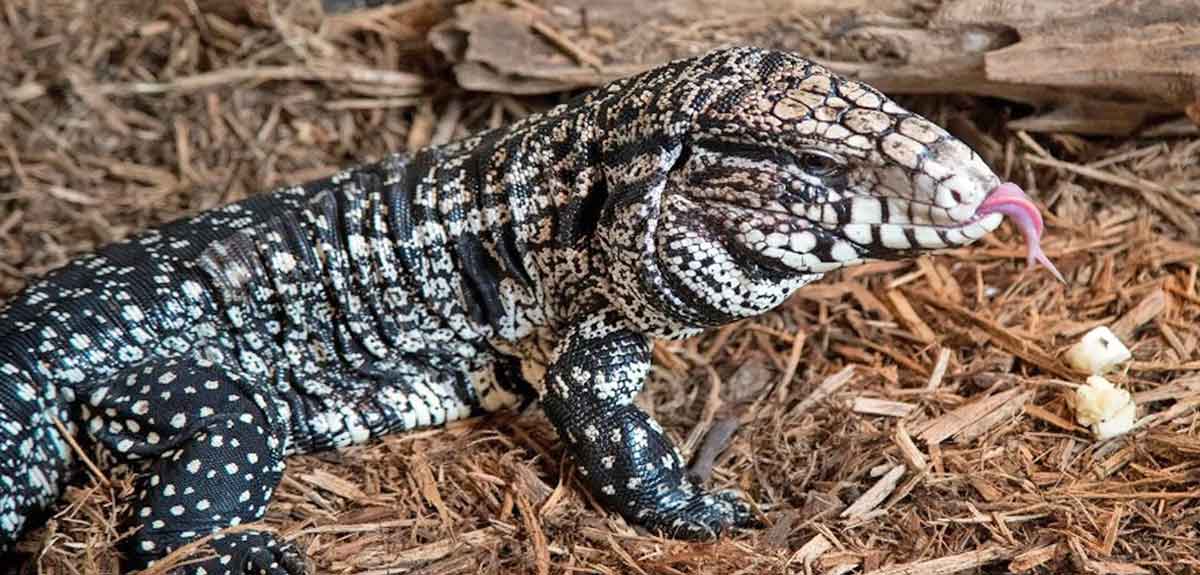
[(706, 516), (246, 553), (255, 553)]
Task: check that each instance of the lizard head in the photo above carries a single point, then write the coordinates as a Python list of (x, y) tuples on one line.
[(807, 171), (769, 170)]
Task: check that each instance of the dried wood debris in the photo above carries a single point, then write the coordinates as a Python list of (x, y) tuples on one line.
[(899, 417)]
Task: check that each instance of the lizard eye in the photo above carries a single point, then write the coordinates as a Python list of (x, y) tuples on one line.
[(820, 165)]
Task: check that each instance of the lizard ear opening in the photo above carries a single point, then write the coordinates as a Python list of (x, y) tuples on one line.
[(633, 196), (681, 159), (627, 199), (590, 210)]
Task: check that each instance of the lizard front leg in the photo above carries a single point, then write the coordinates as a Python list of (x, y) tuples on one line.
[(624, 457)]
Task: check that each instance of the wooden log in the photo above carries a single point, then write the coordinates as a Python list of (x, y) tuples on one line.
[(1090, 66)]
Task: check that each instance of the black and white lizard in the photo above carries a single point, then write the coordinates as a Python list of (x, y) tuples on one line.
[(537, 260)]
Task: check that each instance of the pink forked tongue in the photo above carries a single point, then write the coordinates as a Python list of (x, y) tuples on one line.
[(1008, 199)]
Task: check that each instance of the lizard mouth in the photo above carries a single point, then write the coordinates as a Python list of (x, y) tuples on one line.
[(824, 237), (1009, 200), (1005, 200)]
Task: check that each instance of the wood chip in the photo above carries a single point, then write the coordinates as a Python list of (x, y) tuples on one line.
[(1144, 312), (439, 549), (853, 353), (777, 535), (950, 564), (447, 124), (793, 363), (876, 494), (404, 83), (823, 391), (908, 449), (144, 174), (908, 316), (531, 485), (1178, 389), (429, 487), (885, 407), (939, 369), (79, 452), (900, 358), (1033, 558), (1038, 412), (989, 420), (936, 282), (953, 290), (868, 301), (537, 537), (1116, 568), (560, 40), (1111, 530), (323, 479), (715, 442), (946, 426), (624, 555), (986, 490), (812, 550)]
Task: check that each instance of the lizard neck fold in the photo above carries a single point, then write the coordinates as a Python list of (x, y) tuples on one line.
[(516, 212)]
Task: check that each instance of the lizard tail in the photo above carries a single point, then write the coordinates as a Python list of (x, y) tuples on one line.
[(35, 458)]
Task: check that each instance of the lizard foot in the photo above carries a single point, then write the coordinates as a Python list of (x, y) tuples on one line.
[(245, 553), (704, 516)]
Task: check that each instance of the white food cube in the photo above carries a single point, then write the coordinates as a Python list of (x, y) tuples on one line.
[(1120, 422), (1098, 351), (1107, 410)]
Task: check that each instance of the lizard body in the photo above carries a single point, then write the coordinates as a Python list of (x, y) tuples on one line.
[(536, 260)]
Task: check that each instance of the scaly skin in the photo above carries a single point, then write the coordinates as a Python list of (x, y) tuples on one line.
[(540, 257)]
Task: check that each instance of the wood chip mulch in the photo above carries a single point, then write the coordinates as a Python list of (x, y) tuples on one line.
[(897, 418)]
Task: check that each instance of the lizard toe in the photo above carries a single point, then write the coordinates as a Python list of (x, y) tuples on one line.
[(277, 560), (246, 553), (707, 516)]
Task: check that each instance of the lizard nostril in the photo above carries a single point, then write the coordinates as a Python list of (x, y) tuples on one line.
[(957, 195)]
